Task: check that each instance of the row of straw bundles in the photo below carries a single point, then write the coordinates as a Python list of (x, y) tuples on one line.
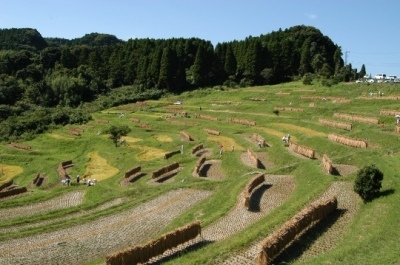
[(386, 112), (254, 182), (253, 157), (67, 163), (35, 179), (169, 154), (281, 238), (258, 138), (212, 132), (206, 117), (21, 146), (327, 164), (302, 150), (11, 192), (336, 124), (369, 120), (101, 121), (359, 143), (132, 171), (165, 169), (197, 148), (182, 122), (241, 121), (341, 99), (199, 164), (289, 109), (6, 185), (154, 248), (186, 136)]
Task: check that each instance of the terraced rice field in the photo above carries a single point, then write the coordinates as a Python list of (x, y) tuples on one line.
[(81, 243)]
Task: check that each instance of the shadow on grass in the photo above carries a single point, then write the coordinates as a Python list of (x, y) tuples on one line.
[(204, 170), (386, 193), (256, 196), (301, 244), (179, 253)]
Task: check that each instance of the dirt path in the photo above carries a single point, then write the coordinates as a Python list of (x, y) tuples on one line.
[(310, 244), (81, 243)]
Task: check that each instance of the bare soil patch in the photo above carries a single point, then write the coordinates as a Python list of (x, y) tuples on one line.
[(262, 156), (211, 169), (344, 170), (67, 200)]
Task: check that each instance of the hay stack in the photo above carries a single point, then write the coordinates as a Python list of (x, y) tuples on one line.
[(212, 132), (327, 164), (290, 230), (154, 248), (302, 150), (169, 154), (336, 124), (253, 183), (359, 143), (197, 148)]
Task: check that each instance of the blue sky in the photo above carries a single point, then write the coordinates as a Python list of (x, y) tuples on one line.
[(367, 30)]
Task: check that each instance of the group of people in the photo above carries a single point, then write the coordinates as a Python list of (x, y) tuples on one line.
[(88, 182)]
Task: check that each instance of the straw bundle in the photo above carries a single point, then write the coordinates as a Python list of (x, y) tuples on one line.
[(101, 121), (197, 148), (302, 150), (21, 146), (253, 157), (35, 179), (327, 164), (206, 117), (169, 154), (389, 112), (11, 192), (6, 185), (163, 170), (242, 121), (186, 136), (253, 183), (336, 124), (199, 164), (368, 120), (289, 109), (302, 221), (212, 132), (154, 248), (181, 122), (359, 143), (132, 171)]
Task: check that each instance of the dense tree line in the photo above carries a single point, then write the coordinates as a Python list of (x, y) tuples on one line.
[(61, 73)]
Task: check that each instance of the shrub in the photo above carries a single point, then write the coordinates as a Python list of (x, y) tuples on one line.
[(307, 79), (368, 182)]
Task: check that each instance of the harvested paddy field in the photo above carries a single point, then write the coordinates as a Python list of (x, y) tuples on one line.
[(81, 243)]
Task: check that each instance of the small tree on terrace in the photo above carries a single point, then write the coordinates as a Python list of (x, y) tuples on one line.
[(116, 132), (368, 182)]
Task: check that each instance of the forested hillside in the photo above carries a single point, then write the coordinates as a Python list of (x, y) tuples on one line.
[(47, 81)]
